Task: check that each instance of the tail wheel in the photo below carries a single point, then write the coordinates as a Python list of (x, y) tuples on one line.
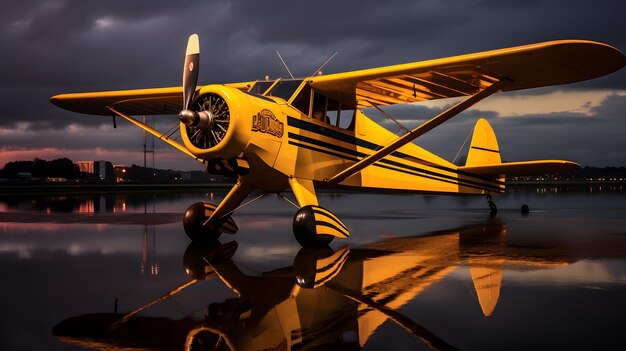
[(493, 209), (216, 106)]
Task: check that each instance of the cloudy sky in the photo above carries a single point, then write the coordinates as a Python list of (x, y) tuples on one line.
[(59, 46)]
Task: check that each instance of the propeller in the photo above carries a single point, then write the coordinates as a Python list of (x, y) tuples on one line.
[(190, 81), (190, 71), (208, 118)]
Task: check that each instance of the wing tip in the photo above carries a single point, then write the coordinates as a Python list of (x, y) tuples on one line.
[(610, 58), (57, 100)]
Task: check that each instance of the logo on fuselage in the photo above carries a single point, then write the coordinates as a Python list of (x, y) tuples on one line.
[(266, 122)]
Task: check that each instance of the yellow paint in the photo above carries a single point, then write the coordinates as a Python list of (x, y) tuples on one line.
[(484, 146)]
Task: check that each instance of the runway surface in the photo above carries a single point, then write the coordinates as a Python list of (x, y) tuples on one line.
[(418, 272)]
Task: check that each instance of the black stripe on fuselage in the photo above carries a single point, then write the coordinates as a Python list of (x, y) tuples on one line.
[(355, 155), (455, 181), (415, 171), (350, 139)]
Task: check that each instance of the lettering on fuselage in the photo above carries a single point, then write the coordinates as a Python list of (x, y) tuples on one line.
[(266, 122)]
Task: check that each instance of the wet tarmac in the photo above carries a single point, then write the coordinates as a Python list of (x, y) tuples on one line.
[(117, 272)]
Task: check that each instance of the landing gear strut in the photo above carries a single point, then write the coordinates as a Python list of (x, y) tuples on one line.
[(493, 209)]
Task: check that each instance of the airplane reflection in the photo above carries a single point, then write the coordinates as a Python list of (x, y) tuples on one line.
[(328, 299)]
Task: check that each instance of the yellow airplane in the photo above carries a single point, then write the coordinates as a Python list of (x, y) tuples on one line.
[(305, 134)]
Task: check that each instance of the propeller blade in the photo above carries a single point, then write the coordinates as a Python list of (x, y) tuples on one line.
[(190, 70)]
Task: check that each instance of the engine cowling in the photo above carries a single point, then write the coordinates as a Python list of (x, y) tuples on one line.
[(217, 124)]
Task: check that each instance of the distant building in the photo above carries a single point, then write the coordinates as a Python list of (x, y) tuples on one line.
[(101, 170), (85, 166), (120, 173)]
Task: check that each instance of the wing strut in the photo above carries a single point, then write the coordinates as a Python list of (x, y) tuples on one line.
[(157, 134), (420, 130)]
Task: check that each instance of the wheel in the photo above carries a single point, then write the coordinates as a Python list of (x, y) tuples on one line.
[(193, 223), (525, 209), (304, 229)]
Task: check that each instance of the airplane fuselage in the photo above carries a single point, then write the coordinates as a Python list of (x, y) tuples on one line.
[(286, 143)]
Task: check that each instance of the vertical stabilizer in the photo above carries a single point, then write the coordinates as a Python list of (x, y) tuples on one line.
[(484, 147)]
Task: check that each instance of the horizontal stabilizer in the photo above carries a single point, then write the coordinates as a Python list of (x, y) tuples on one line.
[(524, 168)]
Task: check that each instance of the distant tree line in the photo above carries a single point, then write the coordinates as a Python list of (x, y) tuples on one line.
[(40, 169), (583, 173), (136, 173), (595, 172), (65, 168)]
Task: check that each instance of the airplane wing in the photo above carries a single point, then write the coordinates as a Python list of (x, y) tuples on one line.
[(156, 101), (529, 66), (153, 101), (525, 67), (474, 76)]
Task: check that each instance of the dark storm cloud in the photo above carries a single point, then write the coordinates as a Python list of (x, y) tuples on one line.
[(595, 139), (57, 46)]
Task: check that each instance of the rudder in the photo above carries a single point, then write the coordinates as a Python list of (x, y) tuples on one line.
[(484, 148)]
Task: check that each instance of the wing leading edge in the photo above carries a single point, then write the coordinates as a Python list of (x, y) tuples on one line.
[(152, 101), (156, 101)]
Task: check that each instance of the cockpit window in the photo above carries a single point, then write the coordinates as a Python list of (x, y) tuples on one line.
[(261, 86), (324, 109), (285, 88), (332, 112), (318, 112), (303, 101)]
